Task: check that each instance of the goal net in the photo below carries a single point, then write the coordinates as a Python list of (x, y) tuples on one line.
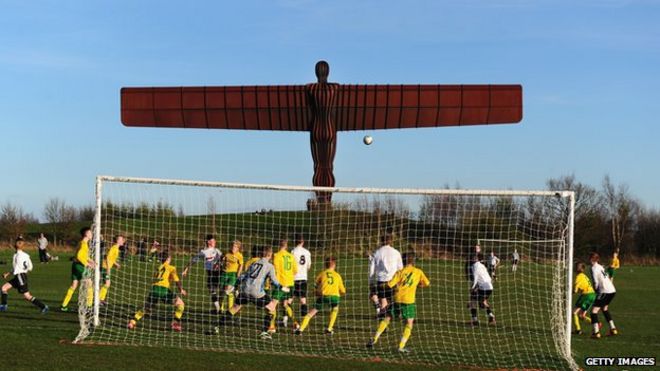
[(531, 303)]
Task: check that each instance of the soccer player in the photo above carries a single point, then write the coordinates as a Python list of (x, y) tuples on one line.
[(614, 265), (110, 262), (515, 258), (480, 291), (42, 244), (161, 293), (251, 287), (586, 297), (22, 264), (303, 258), (492, 262), (255, 254), (232, 268), (80, 262), (406, 281), (606, 291), (329, 288), (385, 263), (285, 270), (212, 258)]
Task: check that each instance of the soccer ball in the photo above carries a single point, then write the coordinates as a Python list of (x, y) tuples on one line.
[(367, 139)]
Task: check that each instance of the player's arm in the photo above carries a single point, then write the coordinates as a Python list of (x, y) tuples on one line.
[(177, 281), (294, 266), (372, 270), (342, 288), (196, 258), (318, 284), (29, 264), (395, 280), (597, 276), (424, 281), (240, 266), (115, 260), (475, 273)]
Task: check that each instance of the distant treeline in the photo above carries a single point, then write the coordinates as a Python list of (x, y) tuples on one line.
[(606, 219)]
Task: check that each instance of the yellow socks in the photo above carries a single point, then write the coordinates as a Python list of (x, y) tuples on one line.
[(67, 298), (103, 293), (178, 311), (333, 317), (138, 315), (381, 328), (305, 322), (576, 322), (406, 334), (90, 297), (230, 299)]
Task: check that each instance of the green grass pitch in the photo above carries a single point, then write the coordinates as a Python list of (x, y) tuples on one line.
[(32, 340)]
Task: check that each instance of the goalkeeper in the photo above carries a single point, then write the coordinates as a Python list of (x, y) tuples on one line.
[(406, 282), (212, 257), (161, 293), (329, 288), (251, 286), (586, 297)]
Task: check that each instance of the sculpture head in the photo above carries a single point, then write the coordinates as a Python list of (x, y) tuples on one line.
[(322, 70)]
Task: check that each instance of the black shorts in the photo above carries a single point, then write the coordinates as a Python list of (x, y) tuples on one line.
[(212, 279), (373, 290), (384, 291), (480, 295), (300, 289), (19, 282), (603, 300), (515, 261), (259, 302)]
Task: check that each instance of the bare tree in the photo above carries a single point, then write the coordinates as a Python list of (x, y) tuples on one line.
[(61, 217), (13, 220), (622, 210), (587, 199)]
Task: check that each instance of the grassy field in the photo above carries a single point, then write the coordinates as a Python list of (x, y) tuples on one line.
[(45, 341)]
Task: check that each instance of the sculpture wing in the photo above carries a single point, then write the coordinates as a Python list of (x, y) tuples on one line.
[(282, 107), (370, 107)]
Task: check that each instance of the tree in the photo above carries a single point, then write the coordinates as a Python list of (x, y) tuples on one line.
[(61, 217), (13, 220), (621, 209)]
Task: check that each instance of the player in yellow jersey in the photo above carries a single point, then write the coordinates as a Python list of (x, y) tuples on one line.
[(614, 265), (586, 297), (80, 262), (232, 268), (329, 288), (285, 270), (405, 281), (161, 293), (108, 263), (255, 254)]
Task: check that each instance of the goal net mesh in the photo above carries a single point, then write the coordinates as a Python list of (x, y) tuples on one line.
[(442, 227)]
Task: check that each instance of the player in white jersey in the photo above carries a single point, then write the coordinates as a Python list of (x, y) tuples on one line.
[(304, 259), (515, 258), (605, 293), (480, 290), (492, 262), (385, 263), (22, 264), (212, 258)]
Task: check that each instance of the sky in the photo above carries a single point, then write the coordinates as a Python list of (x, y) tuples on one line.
[(589, 70)]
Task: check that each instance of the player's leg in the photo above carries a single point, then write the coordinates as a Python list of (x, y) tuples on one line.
[(407, 330), (576, 318), (608, 316), (179, 306), (69, 295), (36, 302), (472, 305), (483, 304), (334, 312), (106, 285), (272, 314), (384, 323), (213, 284), (373, 298), (288, 310), (3, 301), (308, 317), (594, 319), (269, 317)]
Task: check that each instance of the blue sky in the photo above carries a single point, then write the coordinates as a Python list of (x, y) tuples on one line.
[(589, 71)]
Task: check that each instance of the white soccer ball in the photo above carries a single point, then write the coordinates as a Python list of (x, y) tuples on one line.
[(368, 139)]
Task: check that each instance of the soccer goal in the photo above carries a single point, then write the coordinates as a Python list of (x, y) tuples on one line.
[(441, 226)]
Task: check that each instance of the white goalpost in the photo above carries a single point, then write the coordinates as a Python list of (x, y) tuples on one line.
[(162, 218)]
